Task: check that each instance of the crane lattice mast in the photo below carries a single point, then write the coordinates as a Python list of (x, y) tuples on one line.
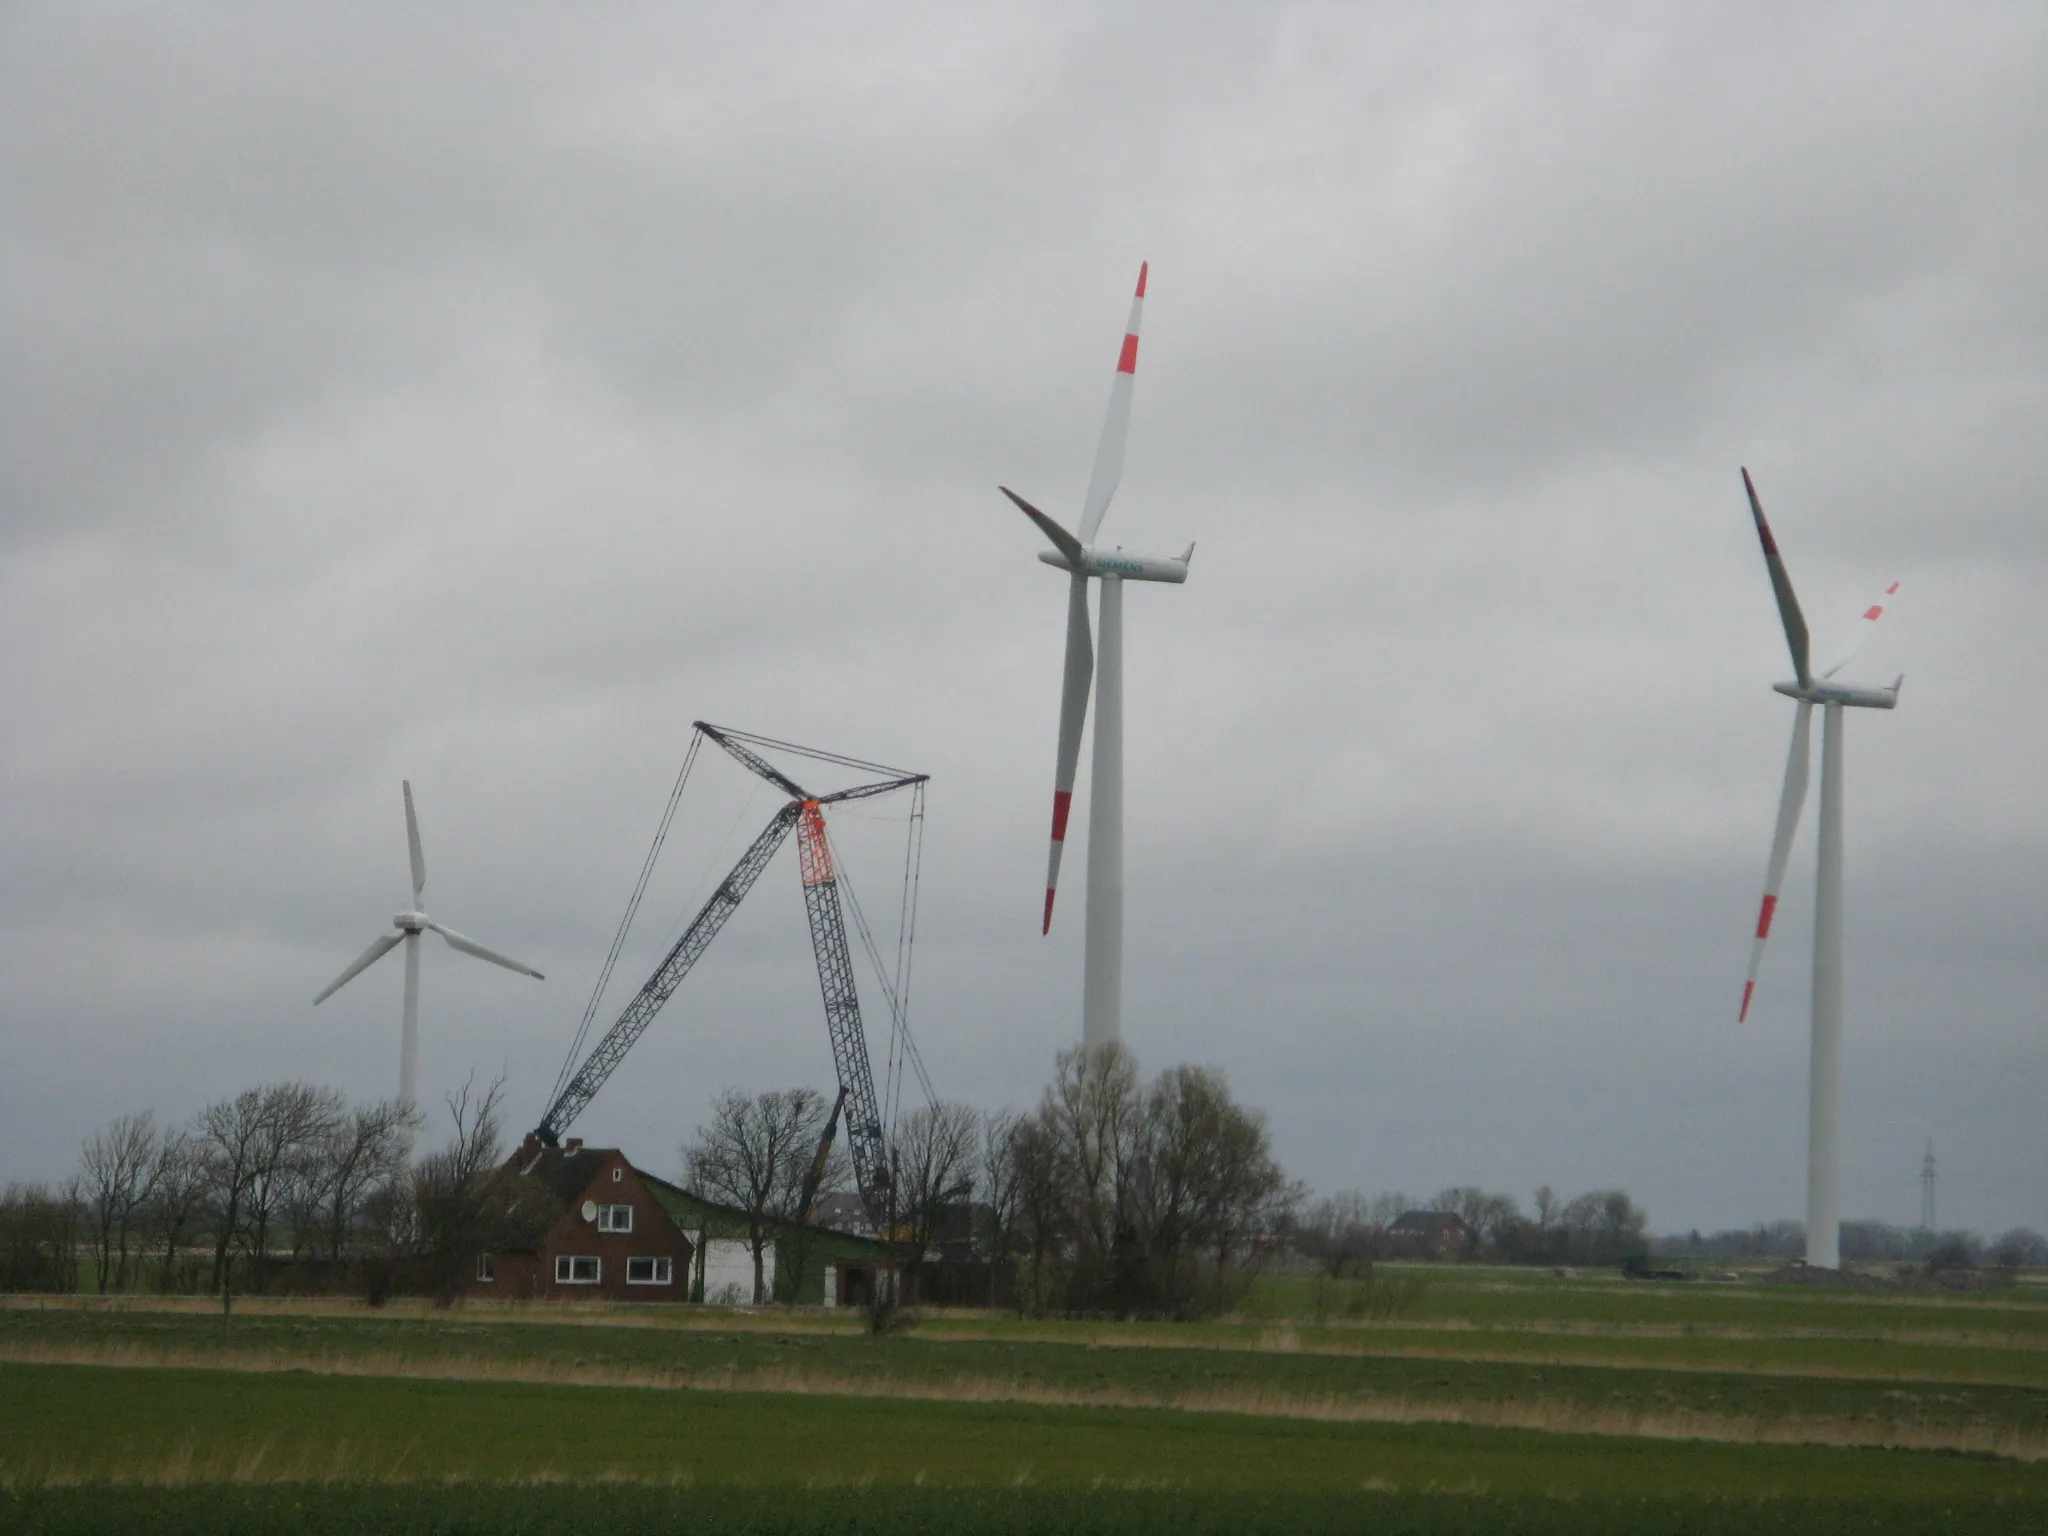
[(804, 814)]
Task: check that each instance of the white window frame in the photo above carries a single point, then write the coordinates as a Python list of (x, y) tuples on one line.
[(565, 1269), (486, 1268), (662, 1269), (618, 1175), (615, 1218)]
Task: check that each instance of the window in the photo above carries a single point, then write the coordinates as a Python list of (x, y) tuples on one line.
[(615, 1218), (487, 1266), (618, 1175), (644, 1270), (577, 1269)]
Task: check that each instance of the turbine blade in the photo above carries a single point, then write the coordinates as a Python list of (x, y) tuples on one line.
[(1781, 585), (1865, 623), (1109, 452), (1063, 541), (378, 949), (412, 842), (1789, 805), (1080, 673), (470, 946)]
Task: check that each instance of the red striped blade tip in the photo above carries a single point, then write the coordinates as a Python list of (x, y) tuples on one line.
[(1048, 912), (1748, 991), (1143, 268)]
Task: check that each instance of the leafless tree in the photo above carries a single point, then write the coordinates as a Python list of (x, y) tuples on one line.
[(753, 1154), (39, 1237), (1044, 1199), (1145, 1199), (179, 1185), (1092, 1112), (999, 1178), (295, 1118), (116, 1164), (1548, 1207), (463, 1200), (934, 1162), (252, 1142), (1602, 1226), (360, 1151), (1205, 1182)]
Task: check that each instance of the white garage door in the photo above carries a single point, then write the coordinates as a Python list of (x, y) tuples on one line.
[(729, 1271)]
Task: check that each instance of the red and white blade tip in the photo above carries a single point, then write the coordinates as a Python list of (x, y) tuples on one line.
[(1748, 991), (1876, 610), (1143, 268), (1048, 913)]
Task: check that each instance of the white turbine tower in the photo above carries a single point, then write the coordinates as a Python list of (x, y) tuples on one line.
[(1083, 559), (1824, 1082), (410, 924)]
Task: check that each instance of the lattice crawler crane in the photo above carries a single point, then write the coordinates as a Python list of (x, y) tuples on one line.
[(803, 814)]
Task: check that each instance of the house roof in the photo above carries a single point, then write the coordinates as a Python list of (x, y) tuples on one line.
[(1428, 1221), (694, 1213), (566, 1174)]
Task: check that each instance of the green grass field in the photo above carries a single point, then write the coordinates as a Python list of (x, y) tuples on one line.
[(1497, 1403)]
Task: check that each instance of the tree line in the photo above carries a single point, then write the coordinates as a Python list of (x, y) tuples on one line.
[(1345, 1233), (283, 1186), (1114, 1194)]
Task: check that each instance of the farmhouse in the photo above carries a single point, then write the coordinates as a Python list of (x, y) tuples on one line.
[(1429, 1234), (621, 1234)]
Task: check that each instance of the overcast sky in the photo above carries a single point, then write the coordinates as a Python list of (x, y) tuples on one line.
[(479, 394)]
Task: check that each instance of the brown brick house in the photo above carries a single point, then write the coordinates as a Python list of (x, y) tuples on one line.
[(613, 1240), (1428, 1235)]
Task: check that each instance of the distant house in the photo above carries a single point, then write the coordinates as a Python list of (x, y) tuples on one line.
[(843, 1211), (623, 1234), (1428, 1235)]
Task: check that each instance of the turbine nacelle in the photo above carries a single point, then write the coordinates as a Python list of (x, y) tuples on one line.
[(1821, 691), (1125, 564), (411, 921)]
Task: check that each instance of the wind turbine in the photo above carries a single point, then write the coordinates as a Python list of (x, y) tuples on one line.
[(1084, 560), (410, 924), (1824, 1081)]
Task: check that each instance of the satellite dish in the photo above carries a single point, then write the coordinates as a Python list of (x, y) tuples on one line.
[(590, 1210)]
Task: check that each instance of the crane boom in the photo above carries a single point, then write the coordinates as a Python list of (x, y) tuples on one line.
[(864, 1136), (661, 986)]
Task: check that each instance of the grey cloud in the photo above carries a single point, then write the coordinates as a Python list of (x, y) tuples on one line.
[(482, 394)]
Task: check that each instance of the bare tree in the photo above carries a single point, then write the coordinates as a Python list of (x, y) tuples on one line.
[(1548, 1207), (359, 1152), (937, 1149), (1337, 1233), (1044, 1198), (464, 1200), (252, 1142), (1000, 1177), (116, 1163), (294, 1119), (39, 1237), (1092, 1112), (1212, 1181), (179, 1185), (229, 1131), (753, 1155)]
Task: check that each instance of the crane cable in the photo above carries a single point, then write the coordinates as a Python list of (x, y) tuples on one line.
[(611, 959)]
